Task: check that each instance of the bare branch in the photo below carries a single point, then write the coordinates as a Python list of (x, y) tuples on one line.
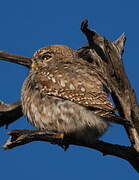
[(25, 61), (10, 113), (21, 137)]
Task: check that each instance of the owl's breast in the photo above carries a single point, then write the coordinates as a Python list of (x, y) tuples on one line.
[(56, 98), (59, 115)]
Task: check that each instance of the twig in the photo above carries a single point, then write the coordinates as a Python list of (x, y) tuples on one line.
[(15, 59)]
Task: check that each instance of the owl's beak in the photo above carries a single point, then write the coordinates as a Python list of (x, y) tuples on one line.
[(24, 61), (34, 66)]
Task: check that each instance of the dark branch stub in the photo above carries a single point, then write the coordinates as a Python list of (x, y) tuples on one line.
[(9, 113)]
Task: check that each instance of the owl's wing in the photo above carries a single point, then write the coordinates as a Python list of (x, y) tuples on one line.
[(73, 82), (77, 84), (98, 100)]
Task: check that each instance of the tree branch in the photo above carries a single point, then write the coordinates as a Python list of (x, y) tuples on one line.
[(107, 57), (11, 112), (21, 137)]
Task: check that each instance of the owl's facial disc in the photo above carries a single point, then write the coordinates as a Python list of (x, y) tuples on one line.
[(48, 53), (41, 60)]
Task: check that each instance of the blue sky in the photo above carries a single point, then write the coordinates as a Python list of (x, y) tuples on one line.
[(28, 25)]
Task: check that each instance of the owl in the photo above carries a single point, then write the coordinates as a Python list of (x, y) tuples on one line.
[(64, 94)]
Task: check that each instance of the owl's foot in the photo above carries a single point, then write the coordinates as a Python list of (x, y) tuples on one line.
[(61, 143), (63, 146)]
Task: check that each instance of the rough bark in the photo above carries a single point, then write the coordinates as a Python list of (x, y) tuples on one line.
[(107, 57), (21, 137)]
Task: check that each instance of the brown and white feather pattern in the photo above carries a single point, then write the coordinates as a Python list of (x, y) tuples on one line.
[(70, 81), (66, 94)]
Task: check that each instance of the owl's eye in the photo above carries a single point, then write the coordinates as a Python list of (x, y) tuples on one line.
[(46, 56)]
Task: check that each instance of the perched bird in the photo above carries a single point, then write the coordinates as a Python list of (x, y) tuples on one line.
[(64, 94)]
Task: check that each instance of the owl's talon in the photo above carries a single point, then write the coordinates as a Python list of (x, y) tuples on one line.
[(64, 146), (61, 143)]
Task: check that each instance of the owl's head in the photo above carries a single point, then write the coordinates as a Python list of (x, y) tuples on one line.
[(52, 52)]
